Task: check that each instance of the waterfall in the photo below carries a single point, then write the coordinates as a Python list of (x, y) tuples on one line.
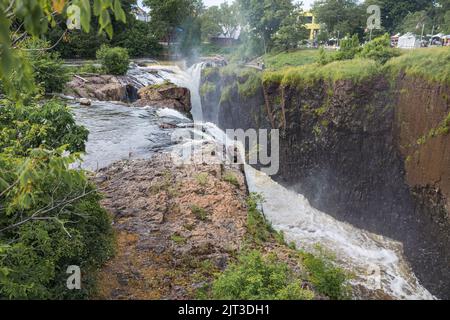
[(189, 78)]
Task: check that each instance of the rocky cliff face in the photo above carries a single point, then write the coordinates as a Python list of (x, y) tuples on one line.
[(357, 151)]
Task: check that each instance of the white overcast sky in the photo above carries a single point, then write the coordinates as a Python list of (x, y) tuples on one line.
[(306, 3)]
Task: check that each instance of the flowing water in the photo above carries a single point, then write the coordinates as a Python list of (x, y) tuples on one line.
[(118, 132)]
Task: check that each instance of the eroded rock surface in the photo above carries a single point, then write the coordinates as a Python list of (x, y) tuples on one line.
[(165, 95), (175, 226), (103, 88)]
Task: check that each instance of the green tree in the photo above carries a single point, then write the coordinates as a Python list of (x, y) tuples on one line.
[(33, 18), (168, 16), (292, 31), (264, 18), (223, 19), (341, 16), (210, 23), (394, 11), (415, 21)]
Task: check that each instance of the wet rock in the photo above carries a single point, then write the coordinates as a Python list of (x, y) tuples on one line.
[(103, 88), (85, 102), (165, 95)]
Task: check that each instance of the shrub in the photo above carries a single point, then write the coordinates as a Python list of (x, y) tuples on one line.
[(232, 179), (255, 277), (200, 213), (379, 50), (50, 126), (349, 48), (115, 61), (327, 279), (50, 219), (257, 227), (50, 216), (48, 69)]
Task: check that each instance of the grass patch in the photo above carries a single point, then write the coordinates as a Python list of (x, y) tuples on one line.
[(355, 70), (178, 239), (291, 59), (432, 64), (255, 277), (166, 83), (199, 212), (231, 178), (202, 179)]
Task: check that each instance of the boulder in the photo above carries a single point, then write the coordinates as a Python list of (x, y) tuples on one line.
[(165, 95), (85, 102), (103, 88)]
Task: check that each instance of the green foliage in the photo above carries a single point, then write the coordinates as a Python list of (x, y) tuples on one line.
[(394, 11), (89, 68), (199, 212), (115, 61), (264, 19), (432, 64), (177, 21), (223, 19), (202, 179), (327, 279), (379, 50), (251, 85), (180, 240), (231, 178), (52, 219), (291, 32), (207, 88), (48, 69), (49, 125), (138, 39), (349, 48), (417, 19), (226, 94), (255, 277), (35, 16), (345, 16), (258, 229)]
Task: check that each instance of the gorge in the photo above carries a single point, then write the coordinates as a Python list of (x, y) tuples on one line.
[(340, 149)]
